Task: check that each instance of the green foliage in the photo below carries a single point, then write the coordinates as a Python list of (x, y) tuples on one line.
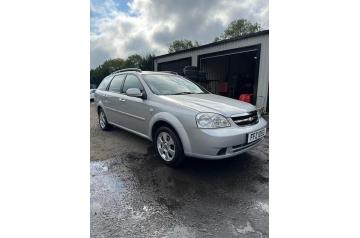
[(178, 45), (133, 61), (109, 66), (237, 28), (147, 62)]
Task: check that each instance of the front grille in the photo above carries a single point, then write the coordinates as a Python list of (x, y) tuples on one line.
[(246, 119)]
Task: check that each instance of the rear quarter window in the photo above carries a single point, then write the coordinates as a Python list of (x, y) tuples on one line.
[(103, 85)]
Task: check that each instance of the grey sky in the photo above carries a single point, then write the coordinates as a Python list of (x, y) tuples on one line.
[(144, 26)]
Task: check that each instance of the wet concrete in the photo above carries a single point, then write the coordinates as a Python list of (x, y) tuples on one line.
[(134, 195)]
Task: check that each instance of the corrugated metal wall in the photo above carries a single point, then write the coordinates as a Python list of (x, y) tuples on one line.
[(263, 76)]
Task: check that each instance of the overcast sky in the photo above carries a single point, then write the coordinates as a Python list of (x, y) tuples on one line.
[(120, 28)]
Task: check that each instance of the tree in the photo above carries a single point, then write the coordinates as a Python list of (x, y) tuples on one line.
[(133, 61), (178, 45), (113, 65), (147, 62), (237, 28), (109, 66)]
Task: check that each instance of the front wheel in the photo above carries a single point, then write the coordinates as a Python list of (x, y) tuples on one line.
[(168, 147), (104, 125)]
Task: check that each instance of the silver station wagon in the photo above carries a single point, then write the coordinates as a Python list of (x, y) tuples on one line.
[(180, 117)]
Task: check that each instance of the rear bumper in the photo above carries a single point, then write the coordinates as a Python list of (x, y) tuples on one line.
[(222, 143)]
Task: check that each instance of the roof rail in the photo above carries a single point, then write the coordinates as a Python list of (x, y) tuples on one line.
[(169, 72), (127, 69)]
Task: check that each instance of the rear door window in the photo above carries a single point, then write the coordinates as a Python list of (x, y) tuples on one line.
[(116, 83)]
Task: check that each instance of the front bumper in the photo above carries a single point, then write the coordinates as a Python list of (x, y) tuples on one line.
[(222, 143)]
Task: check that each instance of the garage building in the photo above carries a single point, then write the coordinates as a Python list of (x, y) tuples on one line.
[(232, 67)]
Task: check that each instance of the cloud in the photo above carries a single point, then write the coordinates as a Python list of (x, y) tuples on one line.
[(144, 26)]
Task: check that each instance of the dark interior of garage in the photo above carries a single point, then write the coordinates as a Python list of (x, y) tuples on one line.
[(232, 74)]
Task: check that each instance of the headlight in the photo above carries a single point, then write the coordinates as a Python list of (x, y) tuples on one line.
[(211, 120)]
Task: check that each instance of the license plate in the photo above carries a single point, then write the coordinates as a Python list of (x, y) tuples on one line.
[(253, 136)]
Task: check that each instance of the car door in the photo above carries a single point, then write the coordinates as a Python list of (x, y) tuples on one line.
[(101, 93), (136, 109), (114, 110)]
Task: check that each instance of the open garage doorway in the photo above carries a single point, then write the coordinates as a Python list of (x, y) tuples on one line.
[(232, 73)]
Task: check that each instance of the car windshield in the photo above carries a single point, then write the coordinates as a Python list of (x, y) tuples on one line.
[(163, 84)]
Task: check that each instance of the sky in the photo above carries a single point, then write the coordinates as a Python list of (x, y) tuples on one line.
[(119, 28)]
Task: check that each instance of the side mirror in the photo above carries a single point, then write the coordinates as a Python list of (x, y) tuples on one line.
[(135, 92)]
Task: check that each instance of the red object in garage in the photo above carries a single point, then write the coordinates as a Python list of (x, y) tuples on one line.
[(246, 97)]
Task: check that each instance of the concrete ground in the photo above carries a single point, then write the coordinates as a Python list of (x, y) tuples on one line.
[(134, 195)]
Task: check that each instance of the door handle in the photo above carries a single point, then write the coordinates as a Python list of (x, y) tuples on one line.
[(122, 100)]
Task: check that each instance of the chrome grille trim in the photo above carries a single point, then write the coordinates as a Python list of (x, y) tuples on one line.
[(249, 118)]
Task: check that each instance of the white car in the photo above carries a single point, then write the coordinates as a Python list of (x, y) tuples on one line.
[(92, 94)]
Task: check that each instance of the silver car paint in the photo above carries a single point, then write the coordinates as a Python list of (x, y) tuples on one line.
[(138, 116)]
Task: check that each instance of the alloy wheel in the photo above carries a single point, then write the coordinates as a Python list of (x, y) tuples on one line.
[(102, 120), (165, 146)]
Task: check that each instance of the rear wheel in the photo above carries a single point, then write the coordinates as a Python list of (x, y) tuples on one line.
[(104, 125), (168, 146)]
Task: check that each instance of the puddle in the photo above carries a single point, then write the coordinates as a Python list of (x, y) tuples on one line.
[(248, 229), (262, 206), (105, 188), (97, 168)]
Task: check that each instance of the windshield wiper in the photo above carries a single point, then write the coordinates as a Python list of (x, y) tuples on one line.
[(182, 93)]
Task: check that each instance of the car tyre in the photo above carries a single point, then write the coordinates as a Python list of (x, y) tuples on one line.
[(168, 147), (103, 122)]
